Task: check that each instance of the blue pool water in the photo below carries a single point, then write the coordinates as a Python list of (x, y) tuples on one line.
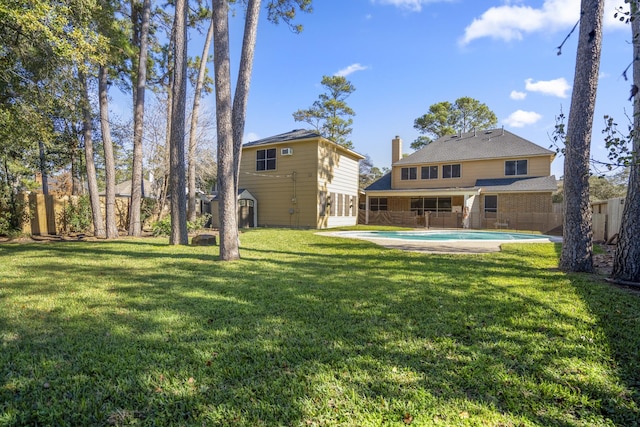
[(447, 235)]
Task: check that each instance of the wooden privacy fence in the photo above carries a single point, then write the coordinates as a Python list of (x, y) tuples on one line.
[(47, 214), (543, 222), (606, 218)]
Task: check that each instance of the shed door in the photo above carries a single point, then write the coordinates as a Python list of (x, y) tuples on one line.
[(245, 213)]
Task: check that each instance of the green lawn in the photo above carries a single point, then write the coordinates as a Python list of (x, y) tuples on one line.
[(310, 330)]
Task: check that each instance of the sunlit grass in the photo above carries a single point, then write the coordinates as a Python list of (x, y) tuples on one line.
[(310, 330)]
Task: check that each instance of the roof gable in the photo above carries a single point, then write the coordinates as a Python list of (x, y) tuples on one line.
[(481, 145)]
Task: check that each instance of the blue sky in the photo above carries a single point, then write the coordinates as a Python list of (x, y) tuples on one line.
[(405, 55)]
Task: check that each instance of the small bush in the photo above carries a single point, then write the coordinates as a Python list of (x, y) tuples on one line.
[(13, 214), (163, 227), (5, 223), (199, 223), (76, 215), (147, 209)]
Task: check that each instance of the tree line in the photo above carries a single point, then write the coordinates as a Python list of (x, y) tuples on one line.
[(59, 59), (58, 62)]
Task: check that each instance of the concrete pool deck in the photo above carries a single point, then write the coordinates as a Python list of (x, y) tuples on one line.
[(439, 246)]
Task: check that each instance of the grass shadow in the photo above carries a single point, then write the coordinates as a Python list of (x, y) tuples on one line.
[(303, 331)]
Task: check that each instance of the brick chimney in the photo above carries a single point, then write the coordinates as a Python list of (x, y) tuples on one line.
[(396, 149)]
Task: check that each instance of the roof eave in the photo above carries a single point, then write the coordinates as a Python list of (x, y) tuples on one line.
[(425, 192), (399, 162), (307, 139)]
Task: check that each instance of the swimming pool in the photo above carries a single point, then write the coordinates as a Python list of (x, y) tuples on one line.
[(448, 235)]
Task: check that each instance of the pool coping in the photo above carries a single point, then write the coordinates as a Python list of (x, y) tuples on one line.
[(440, 246)]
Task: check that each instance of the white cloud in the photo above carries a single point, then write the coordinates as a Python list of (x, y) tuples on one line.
[(511, 21), (558, 87), (520, 118), (411, 5), (251, 136), (517, 95), (350, 70)]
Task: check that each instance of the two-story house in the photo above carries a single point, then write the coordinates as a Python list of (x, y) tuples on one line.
[(485, 179), (300, 179)]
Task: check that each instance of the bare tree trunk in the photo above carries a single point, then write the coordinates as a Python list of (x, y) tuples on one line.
[(241, 96), (135, 226), (577, 247), (76, 184), (229, 248), (626, 262), (43, 169), (109, 162), (193, 141), (166, 179), (178, 200), (98, 226)]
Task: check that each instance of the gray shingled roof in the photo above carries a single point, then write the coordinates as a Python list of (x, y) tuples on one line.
[(284, 137), (381, 184), (486, 144), (540, 183)]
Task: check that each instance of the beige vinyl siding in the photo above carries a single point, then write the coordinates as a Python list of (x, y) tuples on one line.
[(338, 176), (470, 171), (283, 202), (290, 195)]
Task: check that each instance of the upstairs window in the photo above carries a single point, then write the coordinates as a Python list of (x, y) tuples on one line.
[(515, 167), (409, 173), (451, 171), (429, 172), (266, 160)]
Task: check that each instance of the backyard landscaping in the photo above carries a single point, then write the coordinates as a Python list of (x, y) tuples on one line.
[(310, 330)]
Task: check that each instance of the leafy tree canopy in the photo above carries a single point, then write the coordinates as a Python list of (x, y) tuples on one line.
[(285, 10), (608, 187), (370, 173), (445, 118), (330, 115)]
